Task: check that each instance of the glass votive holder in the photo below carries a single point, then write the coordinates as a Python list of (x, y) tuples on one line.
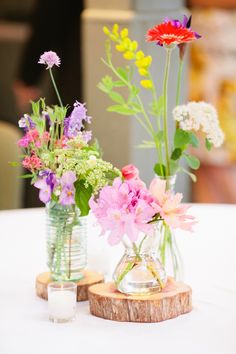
[(62, 297)]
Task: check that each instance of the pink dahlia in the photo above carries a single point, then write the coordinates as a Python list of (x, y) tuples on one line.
[(124, 209)]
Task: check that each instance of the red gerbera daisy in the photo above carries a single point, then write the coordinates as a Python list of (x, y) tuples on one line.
[(168, 33)]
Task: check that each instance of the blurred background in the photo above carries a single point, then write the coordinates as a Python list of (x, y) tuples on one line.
[(73, 29)]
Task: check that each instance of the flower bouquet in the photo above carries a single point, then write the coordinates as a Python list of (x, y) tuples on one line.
[(132, 214), (67, 170), (194, 121)]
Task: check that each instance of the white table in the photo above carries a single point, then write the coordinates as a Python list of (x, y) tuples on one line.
[(210, 267)]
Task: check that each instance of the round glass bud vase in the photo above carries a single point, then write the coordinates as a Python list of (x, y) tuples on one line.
[(168, 250), (66, 242), (140, 272)]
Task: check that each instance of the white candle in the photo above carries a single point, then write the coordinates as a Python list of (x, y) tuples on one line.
[(61, 304)]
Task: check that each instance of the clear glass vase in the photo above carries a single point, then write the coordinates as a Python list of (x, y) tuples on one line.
[(140, 271), (66, 242), (168, 250)]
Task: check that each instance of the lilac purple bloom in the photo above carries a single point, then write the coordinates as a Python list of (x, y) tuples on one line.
[(75, 122), (87, 135), (50, 59), (68, 190), (45, 190), (26, 123)]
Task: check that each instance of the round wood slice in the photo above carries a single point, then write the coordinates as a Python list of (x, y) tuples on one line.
[(90, 278), (106, 302)]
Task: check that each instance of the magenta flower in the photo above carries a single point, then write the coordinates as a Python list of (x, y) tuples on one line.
[(124, 209), (50, 59), (45, 190)]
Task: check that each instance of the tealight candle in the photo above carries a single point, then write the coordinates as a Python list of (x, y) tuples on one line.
[(62, 301)]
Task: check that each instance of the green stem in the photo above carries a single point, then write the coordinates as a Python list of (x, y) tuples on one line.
[(165, 89), (55, 87), (180, 71)]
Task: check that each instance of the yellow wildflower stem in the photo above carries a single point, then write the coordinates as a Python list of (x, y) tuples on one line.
[(165, 123)]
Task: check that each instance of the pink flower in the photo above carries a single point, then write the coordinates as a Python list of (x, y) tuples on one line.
[(124, 209), (50, 59), (23, 142), (130, 172), (168, 206), (32, 163)]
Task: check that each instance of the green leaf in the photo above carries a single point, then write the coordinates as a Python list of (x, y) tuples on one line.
[(121, 110), (173, 166), (176, 154), (193, 140), (116, 97), (14, 163), (160, 136), (181, 138), (160, 169), (103, 88), (82, 196), (208, 144), (123, 73), (136, 107), (111, 175), (118, 83), (147, 144), (192, 161), (191, 175), (28, 175)]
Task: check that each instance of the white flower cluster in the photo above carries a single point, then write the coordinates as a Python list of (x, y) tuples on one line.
[(200, 116)]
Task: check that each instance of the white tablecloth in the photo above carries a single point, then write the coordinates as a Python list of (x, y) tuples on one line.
[(210, 267)]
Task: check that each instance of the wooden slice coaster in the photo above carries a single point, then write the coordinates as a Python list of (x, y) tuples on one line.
[(106, 302), (90, 278)]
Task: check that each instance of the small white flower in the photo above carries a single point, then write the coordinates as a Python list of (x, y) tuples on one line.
[(200, 116)]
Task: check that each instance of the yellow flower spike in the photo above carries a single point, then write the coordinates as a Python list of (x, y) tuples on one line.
[(127, 43), (134, 46), (115, 30), (139, 63), (143, 72), (140, 55), (124, 33), (129, 55), (147, 61), (120, 48), (147, 84), (106, 30)]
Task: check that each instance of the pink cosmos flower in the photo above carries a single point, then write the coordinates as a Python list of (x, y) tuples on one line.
[(32, 163), (50, 59), (124, 209), (130, 172), (169, 206)]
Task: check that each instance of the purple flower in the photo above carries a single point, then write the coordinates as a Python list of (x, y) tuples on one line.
[(50, 178), (75, 122), (26, 122), (87, 136), (67, 195), (46, 117), (45, 190), (49, 58), (68, 190)]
